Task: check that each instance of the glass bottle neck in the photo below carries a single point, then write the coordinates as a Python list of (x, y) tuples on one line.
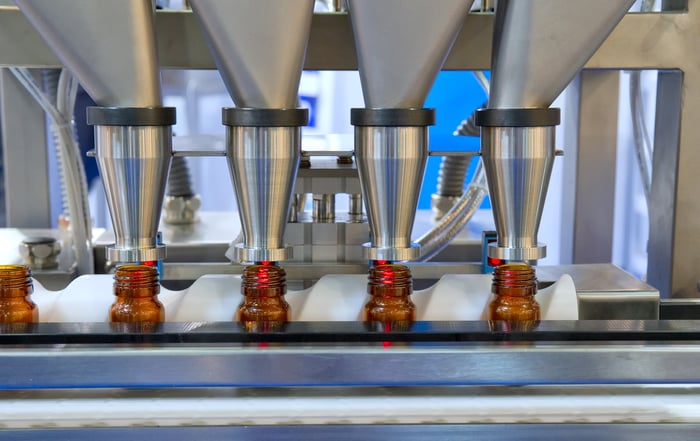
[(136, 281), (514, 280), (390, 280), (265, 280), (15, 281)]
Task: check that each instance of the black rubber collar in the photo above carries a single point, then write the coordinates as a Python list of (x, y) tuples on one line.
[(131, 116), (392, 117), (517, 117), (244, 117)]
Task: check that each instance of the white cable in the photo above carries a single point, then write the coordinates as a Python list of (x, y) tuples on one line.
[(73, 173)]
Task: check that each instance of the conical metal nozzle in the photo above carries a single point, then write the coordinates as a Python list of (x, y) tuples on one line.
[(259, 47), (391, 162), (133, 151), (518, 164), (401, 46), (263, 161), (108, 45)]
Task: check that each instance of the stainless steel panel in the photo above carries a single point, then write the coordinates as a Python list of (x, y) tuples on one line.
[(663, 195), (344, 432), (226, 366), (605, 292), (596, 157), (25, 156), (182, 46)]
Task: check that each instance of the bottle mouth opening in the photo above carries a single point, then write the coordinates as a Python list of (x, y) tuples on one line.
[(514, 275), (135, 276), (15, 276), (263, 277), (389, 280)]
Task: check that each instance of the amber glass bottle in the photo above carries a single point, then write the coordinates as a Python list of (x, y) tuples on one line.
[(263, 307), (16, 288), (390, 287), (514, 287), (136, 288)]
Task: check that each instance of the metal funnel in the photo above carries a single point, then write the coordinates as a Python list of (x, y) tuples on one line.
[(263, 158), (390, 163), (259, 47), (133, 151), (401, 46), (108, 45), (539, 45)]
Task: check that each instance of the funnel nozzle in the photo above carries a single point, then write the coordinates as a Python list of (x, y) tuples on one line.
[(264, 150), (517, 149), (391, 149), (133, 150)]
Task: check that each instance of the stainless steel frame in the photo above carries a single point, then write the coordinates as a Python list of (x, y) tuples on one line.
[(640, 41), (234, 366), (344, 432)]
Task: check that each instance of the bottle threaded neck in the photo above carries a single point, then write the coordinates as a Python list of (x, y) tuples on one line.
[(390, 280), (15, 280), (514, 279), (264, 280), (136, 277)]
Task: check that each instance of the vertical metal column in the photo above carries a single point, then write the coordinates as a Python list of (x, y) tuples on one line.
[(596, 153), (25, 160), (663, 195)]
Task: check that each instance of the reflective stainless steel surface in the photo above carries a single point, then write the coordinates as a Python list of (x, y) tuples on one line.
[(236, 366), (518, 163), (263, 162), (134, 163), (108, 45), (401, 45), (606, 292), (539, 45), (391, 162), (258, 46), (181, 44), (388, 431)]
